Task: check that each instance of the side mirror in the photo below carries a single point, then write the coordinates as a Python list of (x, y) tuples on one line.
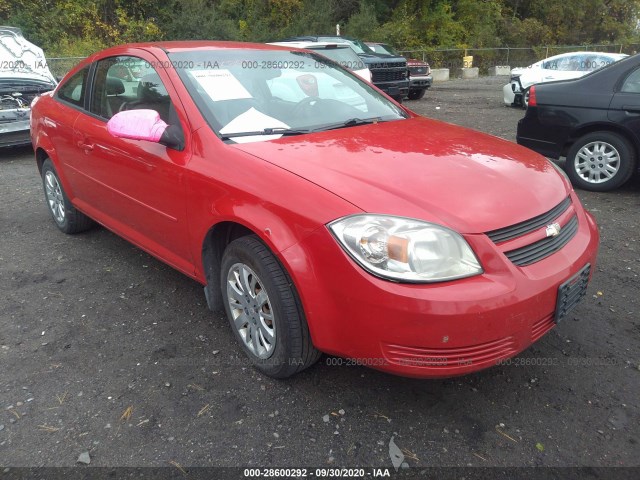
[(145, 125), (137, 125)]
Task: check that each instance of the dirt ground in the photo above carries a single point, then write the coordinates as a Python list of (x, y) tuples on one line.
[(105, 350)]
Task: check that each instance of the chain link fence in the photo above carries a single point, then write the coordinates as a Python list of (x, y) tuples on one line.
[(60, 66), (485, 58)]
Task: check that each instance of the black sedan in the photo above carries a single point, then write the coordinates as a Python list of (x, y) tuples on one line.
[(593, 121)]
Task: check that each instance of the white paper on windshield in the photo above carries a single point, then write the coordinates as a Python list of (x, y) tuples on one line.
[(252, 121), (220, 85)]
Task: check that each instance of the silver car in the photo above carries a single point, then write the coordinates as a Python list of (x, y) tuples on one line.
[(23, 76)]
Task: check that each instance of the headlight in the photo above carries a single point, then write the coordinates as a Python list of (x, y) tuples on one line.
[(404, 249)]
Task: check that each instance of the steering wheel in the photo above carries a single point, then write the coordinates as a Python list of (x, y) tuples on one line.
[(303, 105)]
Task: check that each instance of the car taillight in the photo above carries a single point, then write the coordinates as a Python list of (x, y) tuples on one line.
[(533, 101)]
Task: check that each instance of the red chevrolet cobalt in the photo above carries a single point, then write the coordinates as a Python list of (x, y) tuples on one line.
[(319, 214)]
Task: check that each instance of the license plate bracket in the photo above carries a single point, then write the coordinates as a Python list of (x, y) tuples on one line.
[(571, 292)]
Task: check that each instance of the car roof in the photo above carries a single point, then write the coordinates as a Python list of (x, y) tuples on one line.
[(310, 45), (600, 79), (184, 45), (314, 38), (582, 52)]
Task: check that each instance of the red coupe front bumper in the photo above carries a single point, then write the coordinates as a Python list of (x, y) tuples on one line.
[(433, 330)]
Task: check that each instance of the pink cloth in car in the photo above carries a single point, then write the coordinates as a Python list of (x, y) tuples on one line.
[(137, 125)]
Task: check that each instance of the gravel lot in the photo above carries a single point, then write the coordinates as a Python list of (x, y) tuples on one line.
[(105, 350)]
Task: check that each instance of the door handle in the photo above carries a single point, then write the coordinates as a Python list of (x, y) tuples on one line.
[(631, 108), (87, 147)]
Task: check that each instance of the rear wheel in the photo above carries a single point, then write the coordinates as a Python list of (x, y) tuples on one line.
[(417, 94), (525, 99), (264, 309), (600, 161), (65, 215)]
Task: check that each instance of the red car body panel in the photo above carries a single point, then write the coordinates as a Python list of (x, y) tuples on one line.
[(436, 330), (436, 173), (287, 190)]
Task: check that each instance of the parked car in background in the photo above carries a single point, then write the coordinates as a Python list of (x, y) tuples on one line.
[(420, 78), (388, 73), (593, 121), (559, 67), (23, 76), (307, 220), (338, 52)]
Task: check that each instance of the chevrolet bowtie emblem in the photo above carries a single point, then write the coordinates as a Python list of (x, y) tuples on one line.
[(553, 230)]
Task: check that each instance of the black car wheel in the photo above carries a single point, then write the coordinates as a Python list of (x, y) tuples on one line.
[(264, 309), (600, 161), (65, 215), (525, 99), (417, 94)]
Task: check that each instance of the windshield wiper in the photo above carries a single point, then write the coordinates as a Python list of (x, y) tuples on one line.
[(267, 131), (352, 122)]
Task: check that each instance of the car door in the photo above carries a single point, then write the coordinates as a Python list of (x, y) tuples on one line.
[(70, 97), (624, 108), (137, 187)]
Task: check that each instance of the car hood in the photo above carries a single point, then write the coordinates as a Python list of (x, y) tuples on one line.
[(425, 169), (22, 59)]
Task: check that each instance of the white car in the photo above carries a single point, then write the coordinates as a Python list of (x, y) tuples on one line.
[(560, 67), (24, 75), (340, 53)]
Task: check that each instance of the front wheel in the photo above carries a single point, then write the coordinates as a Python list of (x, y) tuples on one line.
[(264, 309), (65, 215), (417, 94), (600, 161)]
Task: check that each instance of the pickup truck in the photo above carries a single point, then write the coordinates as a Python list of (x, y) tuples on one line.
[(420, 78), (388, 72)]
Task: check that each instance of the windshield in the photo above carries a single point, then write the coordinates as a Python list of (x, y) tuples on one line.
[(258, 95), (386, 50)]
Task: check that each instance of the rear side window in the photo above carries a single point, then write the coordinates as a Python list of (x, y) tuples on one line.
[(632, 83), (74, 89)]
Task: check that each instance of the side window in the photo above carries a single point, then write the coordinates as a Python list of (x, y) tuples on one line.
[(128, 83), (602, 61), (574, 63), (632, 83), (74, 89)]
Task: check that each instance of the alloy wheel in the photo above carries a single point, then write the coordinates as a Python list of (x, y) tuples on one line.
[(251, 310), (54, 197)]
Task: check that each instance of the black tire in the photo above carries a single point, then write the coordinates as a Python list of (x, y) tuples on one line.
[(576, 166), (525, 98), (66, 217), (417, 94), (291, 350)]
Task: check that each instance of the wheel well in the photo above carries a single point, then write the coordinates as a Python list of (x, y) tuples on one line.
[(41, 156), (216, 240), (599, 128)]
